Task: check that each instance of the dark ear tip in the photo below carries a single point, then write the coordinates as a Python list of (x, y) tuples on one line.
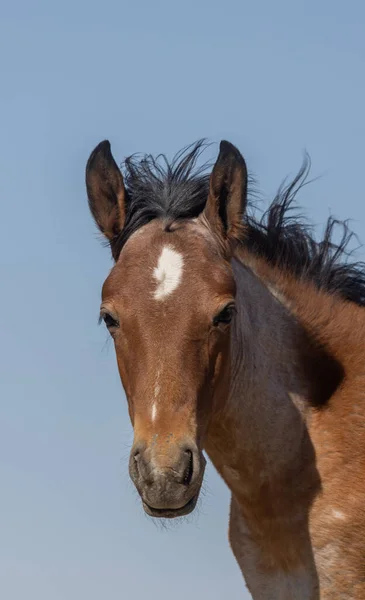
[(226, 146), (226, 150), (103, 146), (102, 150)]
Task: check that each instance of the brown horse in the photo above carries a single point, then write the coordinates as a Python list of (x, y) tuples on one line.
[(244, 338)]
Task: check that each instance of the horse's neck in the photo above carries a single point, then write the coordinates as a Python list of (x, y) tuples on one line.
[(258, 435)]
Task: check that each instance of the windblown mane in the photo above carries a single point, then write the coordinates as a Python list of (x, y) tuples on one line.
[(283, 239), (179, 190)]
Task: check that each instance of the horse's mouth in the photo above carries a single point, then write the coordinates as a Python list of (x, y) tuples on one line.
[(171, 513)]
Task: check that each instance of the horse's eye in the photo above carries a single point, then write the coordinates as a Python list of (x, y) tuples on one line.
[(225, 315), (110, 321)]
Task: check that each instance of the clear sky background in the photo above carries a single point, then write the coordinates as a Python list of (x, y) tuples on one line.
[(273, 78)]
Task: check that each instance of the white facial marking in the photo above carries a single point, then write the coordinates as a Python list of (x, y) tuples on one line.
[(156, 393), (168, 272), (157, 390)]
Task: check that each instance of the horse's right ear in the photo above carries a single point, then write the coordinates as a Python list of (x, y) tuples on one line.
[(106, 191)]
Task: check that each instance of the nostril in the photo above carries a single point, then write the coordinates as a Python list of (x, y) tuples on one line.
[(188, 474), (135, 462), (138, 451)]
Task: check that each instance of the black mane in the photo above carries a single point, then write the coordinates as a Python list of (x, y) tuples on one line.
[(283, 239), (179, 190)]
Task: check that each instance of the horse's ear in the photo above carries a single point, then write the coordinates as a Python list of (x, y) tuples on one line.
[(227, 198), (106, 191)]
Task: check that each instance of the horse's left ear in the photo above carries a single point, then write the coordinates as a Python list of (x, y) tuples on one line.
[(227, 198)]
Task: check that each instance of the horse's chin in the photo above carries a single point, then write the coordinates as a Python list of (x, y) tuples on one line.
[(171, 513)]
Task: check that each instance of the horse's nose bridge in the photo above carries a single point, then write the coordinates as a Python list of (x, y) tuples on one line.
[(168, 382)]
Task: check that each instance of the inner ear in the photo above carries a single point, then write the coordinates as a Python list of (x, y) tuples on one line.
[(227, 198), (106, 191)]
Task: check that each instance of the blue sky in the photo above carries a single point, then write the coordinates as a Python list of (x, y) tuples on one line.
[(273, 78)]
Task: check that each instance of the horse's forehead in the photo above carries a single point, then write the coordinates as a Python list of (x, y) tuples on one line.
[(159, 261), (167, 249)]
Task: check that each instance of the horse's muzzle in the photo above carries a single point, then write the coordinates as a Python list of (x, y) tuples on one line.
[(168, 483)]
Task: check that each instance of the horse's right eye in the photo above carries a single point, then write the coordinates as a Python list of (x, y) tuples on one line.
[(110, 321)]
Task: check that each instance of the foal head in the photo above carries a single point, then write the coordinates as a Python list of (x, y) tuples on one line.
[(168, 303)]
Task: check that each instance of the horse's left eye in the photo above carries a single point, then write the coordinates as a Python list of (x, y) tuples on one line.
[(225, 316)]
